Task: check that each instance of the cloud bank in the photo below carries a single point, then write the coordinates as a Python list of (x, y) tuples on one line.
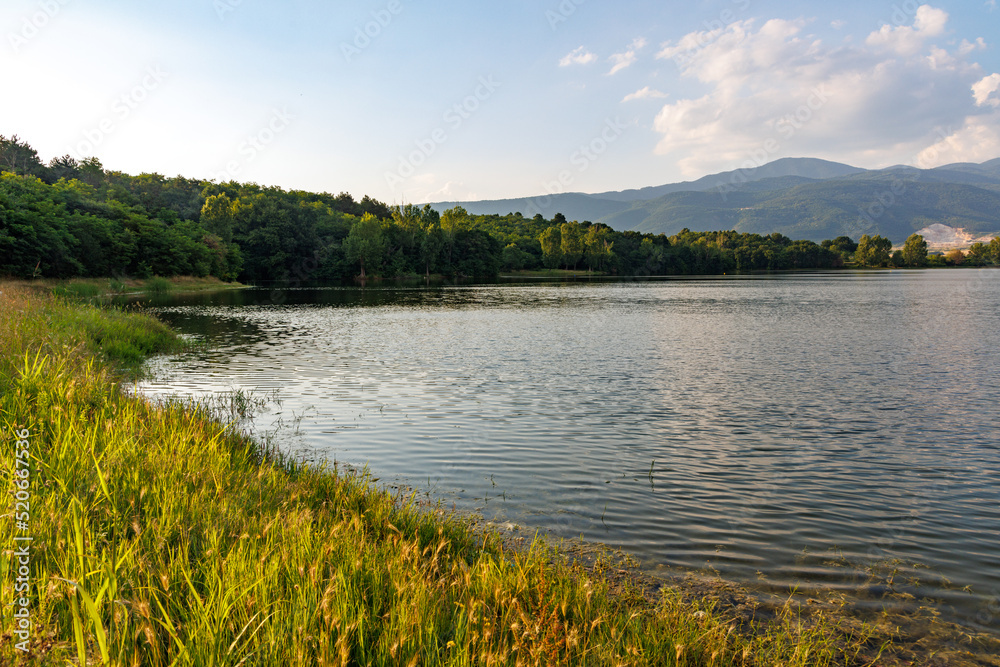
[(775, 91)]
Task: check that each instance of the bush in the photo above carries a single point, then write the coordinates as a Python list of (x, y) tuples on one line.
[(954, 257)]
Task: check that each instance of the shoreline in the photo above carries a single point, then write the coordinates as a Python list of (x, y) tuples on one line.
[(914, 633), (112, 287), (917, 635), (569, 603), (738, 596)]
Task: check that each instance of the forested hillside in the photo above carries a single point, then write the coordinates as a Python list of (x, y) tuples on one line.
[(70, 219), (894, 205), (801, 198)]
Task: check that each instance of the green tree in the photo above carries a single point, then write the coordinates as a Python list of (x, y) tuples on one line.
[(598, 247), (431, 246), (915, 251), (511, 259), (978, 255), (571, 243), (19, 157), (551, 242), (805, 254), (63, 167), (91, 171), (218, 214), (277, 235), (375, 207), (743, 258), (873, 251), (408, 219), (451, 221), (366, 243), (653, 256), (843, 245), (476, 254)]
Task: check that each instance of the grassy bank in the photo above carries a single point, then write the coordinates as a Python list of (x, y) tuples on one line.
[(93, 288), (163, 537)]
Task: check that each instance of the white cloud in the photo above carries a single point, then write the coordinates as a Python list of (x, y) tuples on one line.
[(688, 47), (930, 20), (967, 47), (992, 4), (907, 40), (983, 91), (721, 53), (578, 56), (838, 24), (622, 60), (644, 94), (450, 191), (977, 140), (774, 91)]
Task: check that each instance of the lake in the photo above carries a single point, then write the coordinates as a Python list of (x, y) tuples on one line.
[(834, 432)]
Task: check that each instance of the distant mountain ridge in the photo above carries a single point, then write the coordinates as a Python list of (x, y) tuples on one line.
[(810, 168), (803, 198)]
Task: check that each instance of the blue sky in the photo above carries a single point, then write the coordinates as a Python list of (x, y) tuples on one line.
[(414, 101)]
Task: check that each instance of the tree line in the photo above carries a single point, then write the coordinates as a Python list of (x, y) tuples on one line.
[(876, 251), (72, 218)]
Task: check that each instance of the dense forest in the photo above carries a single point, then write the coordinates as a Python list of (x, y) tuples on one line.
[(72, 218)]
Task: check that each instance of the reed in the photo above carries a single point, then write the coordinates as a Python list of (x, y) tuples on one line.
[(158, 285), (165, 537)]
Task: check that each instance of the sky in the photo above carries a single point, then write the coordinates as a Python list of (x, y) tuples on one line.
[(413, 101)]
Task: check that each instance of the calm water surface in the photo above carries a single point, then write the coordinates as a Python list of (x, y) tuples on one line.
[(824, 431)]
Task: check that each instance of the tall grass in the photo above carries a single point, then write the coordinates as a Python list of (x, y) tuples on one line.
[(162, 537), (84, 291), (158, 285)]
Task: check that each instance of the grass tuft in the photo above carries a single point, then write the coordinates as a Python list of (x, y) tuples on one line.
[(158, 285), (83, 291)]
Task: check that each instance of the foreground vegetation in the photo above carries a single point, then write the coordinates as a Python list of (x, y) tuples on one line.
[(164, 537)]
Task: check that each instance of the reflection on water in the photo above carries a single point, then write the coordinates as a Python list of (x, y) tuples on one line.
[(801, 430)]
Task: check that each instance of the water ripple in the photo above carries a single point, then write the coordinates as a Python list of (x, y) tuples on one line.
[(811, 428)]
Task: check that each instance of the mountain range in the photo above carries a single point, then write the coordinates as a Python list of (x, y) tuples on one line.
[(803, 198)]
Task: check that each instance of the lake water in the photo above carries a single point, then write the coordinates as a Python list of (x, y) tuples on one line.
[(820, 431)]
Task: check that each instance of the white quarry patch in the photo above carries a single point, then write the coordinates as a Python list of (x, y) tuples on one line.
[(943, 237)]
